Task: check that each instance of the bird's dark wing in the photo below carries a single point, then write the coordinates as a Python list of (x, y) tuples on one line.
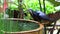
[(35, 17), (42, 15)]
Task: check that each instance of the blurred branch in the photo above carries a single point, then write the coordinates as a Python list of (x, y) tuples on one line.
[(54, 2), (20, 9)]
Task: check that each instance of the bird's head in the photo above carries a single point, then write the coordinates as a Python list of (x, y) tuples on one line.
[(30, 11)]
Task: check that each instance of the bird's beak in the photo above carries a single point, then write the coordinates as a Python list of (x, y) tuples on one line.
[(30, 11)]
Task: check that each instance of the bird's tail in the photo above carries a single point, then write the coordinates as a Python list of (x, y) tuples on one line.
[(52, 20), (54, 17)]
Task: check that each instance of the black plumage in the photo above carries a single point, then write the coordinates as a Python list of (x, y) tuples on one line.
[(40, 16)]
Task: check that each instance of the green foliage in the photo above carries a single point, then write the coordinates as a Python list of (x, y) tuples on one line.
[(34, 4), (55, 2), (1, 15), (13, 5), (10, 12)]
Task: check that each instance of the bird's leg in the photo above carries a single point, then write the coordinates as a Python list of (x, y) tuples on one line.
[(44, 22), (58, 31), (53, 28), (44, 28)]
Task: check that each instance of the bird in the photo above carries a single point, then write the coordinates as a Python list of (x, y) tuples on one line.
[(43, 18), (40, 16)]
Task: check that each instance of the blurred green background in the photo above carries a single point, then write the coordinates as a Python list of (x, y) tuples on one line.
[(26, 4)]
